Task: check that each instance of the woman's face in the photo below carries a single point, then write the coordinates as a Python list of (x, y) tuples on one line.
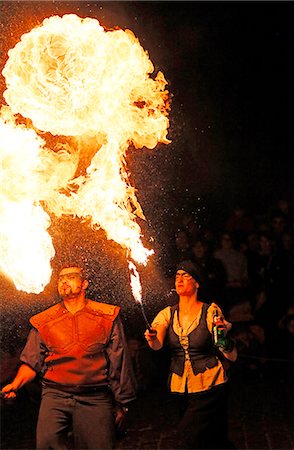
[(185, 283)]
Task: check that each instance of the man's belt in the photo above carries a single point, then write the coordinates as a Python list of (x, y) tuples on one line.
[(77, 389)]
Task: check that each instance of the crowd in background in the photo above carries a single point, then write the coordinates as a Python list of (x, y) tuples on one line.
[(248, 268)]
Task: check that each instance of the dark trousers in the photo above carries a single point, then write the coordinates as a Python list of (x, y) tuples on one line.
[(88, 416), (203, 420)]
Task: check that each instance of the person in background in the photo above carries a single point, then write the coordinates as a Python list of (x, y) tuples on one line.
[(278, 226), (79, 348), (239, 224), (271, 274), (198, 378), (283, 208), (182, 244), (236, 266), (213, 271)]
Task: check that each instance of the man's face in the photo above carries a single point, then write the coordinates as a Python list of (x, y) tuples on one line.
[(185, 283), (70, 282)]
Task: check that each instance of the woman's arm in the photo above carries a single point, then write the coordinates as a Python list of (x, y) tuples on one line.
[(155, 337), (231, 353)]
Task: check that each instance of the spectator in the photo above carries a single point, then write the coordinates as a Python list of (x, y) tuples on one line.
[(191, 227), (283, 209), (213, 270), (252, 242), (278, 226), (235, 264), (285, 341), (182, 245), (239, 222), (268, 271)]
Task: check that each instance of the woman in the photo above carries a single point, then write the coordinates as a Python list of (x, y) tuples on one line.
[(197, 374)]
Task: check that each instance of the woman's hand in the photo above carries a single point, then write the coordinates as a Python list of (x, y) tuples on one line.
[(227, 326), (155, 336), (150, 335)]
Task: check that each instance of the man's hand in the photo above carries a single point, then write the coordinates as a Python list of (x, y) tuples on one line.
[(120, 413), (8, 391), (24, 375)]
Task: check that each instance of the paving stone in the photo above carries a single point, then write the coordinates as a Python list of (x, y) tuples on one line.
[(261, 415)]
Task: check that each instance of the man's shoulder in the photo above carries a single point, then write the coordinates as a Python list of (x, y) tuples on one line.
[(103, 309), (44, 316)]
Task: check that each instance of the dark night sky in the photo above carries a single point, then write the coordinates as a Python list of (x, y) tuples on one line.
[(230, 69)]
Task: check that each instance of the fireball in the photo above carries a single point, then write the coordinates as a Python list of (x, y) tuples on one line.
[(71, 77)]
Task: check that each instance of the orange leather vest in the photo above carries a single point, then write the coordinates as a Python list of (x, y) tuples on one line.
[(76, 343)]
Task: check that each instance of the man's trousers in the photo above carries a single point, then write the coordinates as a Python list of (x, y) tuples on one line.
[(88, 416)]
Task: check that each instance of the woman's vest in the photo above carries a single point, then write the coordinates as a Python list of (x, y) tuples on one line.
[(76, 343), (200, 350)]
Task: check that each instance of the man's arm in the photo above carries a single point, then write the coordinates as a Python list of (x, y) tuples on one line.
[(24, 375), (121, 375), (32, 359)]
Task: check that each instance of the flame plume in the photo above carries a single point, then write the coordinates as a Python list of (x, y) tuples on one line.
[(70, 77)]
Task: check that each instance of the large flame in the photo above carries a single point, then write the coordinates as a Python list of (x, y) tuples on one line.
[(71, 77)]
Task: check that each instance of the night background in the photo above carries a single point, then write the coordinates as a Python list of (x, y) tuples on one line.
[(229, 67)]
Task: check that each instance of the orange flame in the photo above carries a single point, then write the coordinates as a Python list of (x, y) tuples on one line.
[(71, 77), (135, 282)]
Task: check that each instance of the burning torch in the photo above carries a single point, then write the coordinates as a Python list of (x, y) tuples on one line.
[(137, 292)]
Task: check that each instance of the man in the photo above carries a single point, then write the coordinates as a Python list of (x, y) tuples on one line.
[(79, 348)]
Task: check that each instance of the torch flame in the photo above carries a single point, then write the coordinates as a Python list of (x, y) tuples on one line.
[(135, 282), (73, 78)]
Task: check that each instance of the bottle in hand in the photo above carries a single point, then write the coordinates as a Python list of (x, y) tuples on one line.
[(218, 330)]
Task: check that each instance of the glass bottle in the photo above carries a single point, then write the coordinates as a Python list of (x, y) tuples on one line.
[(218, 330)]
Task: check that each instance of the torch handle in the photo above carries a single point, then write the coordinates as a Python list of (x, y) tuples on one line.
[(145, 318)]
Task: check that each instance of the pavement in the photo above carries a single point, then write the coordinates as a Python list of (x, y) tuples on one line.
[(261, 412)]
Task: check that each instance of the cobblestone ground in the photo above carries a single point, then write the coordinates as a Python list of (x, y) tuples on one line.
[(261, 414)]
